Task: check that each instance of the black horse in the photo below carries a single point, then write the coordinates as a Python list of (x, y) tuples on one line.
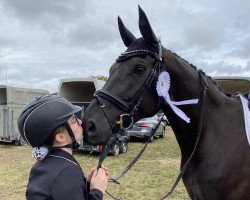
[(220, 166)]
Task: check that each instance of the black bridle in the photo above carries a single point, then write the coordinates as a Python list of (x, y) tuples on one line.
[(129, 108), (132, 106)]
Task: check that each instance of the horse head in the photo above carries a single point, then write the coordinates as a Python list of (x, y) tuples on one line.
[(130, 91)]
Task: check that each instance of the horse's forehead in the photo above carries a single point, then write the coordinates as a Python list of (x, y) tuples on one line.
[(132, 61)]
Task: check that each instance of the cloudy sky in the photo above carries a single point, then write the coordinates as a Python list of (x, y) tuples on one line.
[(43, 41)]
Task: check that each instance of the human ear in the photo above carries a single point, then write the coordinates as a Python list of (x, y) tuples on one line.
[(60, 137)]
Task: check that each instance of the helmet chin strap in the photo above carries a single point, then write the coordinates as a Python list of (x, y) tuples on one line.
[(74, 145)]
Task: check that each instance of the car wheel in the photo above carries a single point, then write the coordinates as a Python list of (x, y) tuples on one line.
[(163, 134), (115, 150), (123, 146)]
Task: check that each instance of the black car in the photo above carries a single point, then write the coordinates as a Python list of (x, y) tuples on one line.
[(121, 146)]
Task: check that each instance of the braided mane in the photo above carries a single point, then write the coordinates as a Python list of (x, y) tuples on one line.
[(194, 67)]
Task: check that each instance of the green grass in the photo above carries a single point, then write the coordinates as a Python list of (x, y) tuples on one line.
[(150, 178)]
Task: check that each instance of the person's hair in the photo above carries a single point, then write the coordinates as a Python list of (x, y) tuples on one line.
[(57, 130)]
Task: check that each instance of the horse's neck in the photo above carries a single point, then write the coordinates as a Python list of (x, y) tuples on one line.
[(185, 133), (186, 84), (184, 79)]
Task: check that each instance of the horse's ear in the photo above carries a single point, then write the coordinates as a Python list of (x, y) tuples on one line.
[(126, 35), (145, 28)]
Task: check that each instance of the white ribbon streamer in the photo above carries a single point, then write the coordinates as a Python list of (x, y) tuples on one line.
[(162, 88)]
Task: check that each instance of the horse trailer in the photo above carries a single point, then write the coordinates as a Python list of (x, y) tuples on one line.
[(232, 85), (79, 91), (12, 99)]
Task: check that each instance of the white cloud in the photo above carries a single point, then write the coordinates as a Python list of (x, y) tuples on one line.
[(44, 41)]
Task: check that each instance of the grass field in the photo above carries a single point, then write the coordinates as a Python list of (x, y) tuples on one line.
[(150, 178)]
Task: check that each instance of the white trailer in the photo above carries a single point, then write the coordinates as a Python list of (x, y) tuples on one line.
[(12, 99), (79, 91)]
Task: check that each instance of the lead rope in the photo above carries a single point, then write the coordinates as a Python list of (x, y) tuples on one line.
[(106, 149), (152, 133)]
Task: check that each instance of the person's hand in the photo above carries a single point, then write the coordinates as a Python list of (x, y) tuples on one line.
[(90, 174), (93, 169), (99, 179), (106, 170)]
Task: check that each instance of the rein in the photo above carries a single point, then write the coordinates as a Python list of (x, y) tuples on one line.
[(131, 164), (152, 133), (201, 114)]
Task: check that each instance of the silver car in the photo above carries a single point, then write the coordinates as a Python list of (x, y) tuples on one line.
[(142, 128)]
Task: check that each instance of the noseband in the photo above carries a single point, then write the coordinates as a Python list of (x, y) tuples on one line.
[(129, 108)]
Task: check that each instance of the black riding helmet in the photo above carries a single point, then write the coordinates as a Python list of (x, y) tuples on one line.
[(42, 115)]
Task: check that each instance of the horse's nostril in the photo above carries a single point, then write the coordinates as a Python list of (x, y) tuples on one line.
[(90, 127)]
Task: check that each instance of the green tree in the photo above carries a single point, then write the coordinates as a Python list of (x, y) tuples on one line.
[(100, 77)]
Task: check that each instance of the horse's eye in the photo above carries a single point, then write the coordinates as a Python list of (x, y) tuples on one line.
[(139, 69)]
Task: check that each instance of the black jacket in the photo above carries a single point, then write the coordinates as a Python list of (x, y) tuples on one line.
[(59, 177)]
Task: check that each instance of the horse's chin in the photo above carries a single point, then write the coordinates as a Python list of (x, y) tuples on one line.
[(96, 139)]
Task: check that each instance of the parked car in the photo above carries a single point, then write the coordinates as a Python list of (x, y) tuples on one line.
[(121, 146), (164, 120), (143, 128)]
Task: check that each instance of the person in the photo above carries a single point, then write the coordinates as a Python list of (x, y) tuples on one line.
[(52, 126)]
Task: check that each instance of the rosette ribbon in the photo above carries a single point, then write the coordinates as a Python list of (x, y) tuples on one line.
[(162, 88)]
